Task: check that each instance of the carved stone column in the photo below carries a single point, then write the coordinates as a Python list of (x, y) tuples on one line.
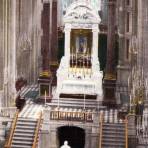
[(45, 51), (45, 78), (110, 63), (54, 31), (53, 40), (110, 73), (95, 44), (67, 40)]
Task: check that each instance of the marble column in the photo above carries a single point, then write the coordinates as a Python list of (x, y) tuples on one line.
[(13, 52), (109, 82), (1, 44), (54, 32), (67, 40), (45, 38), (53, 41), (45, 78), (110, 63), (5, 36)]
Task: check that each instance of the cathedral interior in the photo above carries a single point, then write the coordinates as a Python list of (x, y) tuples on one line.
[(73, 74)]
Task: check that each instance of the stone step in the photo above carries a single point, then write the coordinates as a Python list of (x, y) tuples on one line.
[(120, 125), (76, 102), (113, 136), (113, 128), (31, 135), (27, 120), (24, 131), (20, 146), (25, 127), (23, 138), (110, 146), (113, 132), (74, 105), (26, 123), (113, 144), (20, 142), (114, 139)]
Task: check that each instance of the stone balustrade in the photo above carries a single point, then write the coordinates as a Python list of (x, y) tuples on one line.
[(111, 116), (8, 112), (72, 116)]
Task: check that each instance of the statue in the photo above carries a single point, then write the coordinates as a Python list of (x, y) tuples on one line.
[(81, 44), (65, 145)]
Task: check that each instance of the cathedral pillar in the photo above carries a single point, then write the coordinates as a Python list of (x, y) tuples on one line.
[(9, 35), (110, 73), (5, 46), (45, 78), (53, 40), (110, 64), (54, 31), (13, 52)]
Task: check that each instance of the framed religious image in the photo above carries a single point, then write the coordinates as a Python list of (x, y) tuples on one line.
[(81, 41)]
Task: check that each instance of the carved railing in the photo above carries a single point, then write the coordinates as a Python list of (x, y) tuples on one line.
[(8, 111), (101, 128), (35, 142), (71, 116), (12, 129)]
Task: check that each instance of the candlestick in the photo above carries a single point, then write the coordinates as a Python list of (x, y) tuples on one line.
[(45, 97), (72, 59), (87, 60), (128, 83), (130, 102), (76, 59)]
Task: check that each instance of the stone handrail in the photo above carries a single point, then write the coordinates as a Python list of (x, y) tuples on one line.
[(37, 131), (126, 132), (101, 124)]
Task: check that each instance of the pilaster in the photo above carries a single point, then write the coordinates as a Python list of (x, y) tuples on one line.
[(67, 40), (95, 31)]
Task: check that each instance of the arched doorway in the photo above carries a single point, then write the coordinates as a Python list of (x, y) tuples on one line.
[(74, 135)]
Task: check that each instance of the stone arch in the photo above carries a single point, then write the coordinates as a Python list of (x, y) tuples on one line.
[(73, 134)]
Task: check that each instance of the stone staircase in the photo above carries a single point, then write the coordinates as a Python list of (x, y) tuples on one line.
[(113, 135), (24, 133)]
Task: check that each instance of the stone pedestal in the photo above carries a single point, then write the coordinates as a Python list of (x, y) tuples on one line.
[(45, 89), (109, 86)]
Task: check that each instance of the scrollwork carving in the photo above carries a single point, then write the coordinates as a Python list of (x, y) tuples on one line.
[(81, 13)]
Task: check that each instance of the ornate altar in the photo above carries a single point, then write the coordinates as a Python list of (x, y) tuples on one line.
[(79, 70)]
